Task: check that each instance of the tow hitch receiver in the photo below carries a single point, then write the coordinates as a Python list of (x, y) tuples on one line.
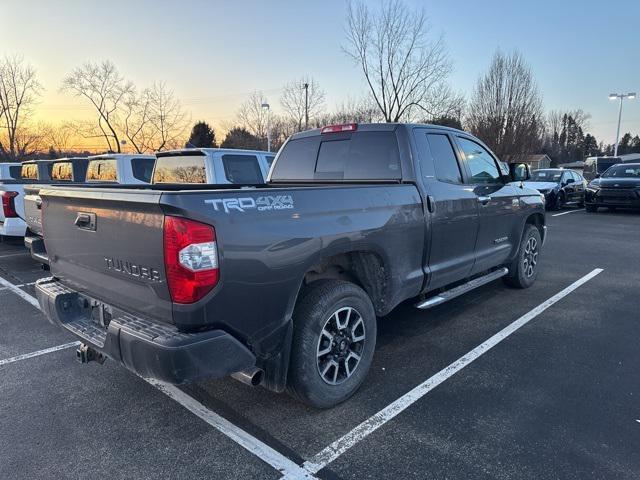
[(86, 354)]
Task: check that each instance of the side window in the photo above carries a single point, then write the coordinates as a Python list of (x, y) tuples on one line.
[(242, 169), (565, 176), (481, 164), (142, 168), (444, 158), (14, 172)]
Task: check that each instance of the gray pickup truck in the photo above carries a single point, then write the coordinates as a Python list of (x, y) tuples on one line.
[(280, 284)]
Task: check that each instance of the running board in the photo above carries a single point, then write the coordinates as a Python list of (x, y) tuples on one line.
[(457, 291)]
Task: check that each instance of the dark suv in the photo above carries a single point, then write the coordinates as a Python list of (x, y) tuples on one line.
[(618, 187), (560, 187)]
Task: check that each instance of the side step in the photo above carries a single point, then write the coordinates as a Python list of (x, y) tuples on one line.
[(457, 291)]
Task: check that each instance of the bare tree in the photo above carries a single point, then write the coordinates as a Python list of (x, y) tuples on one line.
[(58, 137), (506, 108), (302, 100), (253, 116), (406, 70), (19, 92), (169, 121), (105, 89)]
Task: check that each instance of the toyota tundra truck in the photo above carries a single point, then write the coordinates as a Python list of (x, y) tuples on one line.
[(280, 284)]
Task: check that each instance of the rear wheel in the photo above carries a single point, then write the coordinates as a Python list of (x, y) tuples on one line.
[(334, 337), (523, 271), (559, 201)]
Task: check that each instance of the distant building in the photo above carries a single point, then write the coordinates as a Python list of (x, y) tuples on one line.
[(579, 165), (537, 161)]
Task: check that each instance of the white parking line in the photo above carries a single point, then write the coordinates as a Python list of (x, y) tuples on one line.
[(344, 443), (284, 465), (13, 254), (24, 356), (564, 213), (264, 452), (21, 293)]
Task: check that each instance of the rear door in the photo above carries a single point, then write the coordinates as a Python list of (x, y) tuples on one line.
[(498, 203), (109, 244), (451, 209)]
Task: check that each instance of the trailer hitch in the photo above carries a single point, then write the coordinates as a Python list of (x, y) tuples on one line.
[(86, 354)]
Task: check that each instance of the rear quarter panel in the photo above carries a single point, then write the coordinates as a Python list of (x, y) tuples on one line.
[(269, 238)]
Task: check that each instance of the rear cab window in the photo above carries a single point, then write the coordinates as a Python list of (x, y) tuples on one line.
[(367, 155), (181, 168), (29, 171), (62, 172), (102, 170), (242, 169), (142, 168)]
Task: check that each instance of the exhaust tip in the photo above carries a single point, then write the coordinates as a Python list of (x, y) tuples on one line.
[(252, 376)]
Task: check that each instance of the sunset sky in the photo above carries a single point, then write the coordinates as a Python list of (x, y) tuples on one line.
[(213, 54)]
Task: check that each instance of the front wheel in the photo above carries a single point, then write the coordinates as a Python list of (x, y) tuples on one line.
[(334, 337), (523, 271)]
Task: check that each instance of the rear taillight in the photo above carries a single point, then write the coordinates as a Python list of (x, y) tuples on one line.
[(190, 259), (9, 204)]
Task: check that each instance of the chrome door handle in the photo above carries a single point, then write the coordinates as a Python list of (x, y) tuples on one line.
[(484, 199)]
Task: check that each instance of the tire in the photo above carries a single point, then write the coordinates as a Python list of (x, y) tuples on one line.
[(523, 271), (558, 203), (591, 208), (323, 380)]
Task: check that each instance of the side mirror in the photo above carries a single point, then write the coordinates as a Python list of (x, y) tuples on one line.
[(519, 172), (597, 175), (569, 180)]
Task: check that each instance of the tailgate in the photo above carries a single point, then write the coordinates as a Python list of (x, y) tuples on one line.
[(32, 211), (108, 244)]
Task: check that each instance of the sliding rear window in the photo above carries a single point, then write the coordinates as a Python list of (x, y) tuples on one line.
[(102, 170), (180, 169), (29, 171), (340, 157), (62, 172), (142, 168)]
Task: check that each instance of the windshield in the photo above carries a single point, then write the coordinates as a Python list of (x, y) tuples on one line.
[(622, 171), (546, 176)]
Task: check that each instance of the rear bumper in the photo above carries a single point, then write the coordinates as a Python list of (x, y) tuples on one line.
[(150, 349), (13, 227), (35, 245)]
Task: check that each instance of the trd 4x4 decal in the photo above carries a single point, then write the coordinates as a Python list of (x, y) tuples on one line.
[(242, 204)]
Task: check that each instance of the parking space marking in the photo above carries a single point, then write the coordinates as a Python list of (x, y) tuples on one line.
[(24, 356), (7, 255), (564, 213), (344, 443), (284, 465), (264, 452), (21, 293)]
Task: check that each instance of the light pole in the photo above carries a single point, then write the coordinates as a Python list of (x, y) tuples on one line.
[(266, 107), (306, 105), (621, 96)]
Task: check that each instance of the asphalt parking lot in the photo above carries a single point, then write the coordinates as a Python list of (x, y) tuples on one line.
[(499, 383)]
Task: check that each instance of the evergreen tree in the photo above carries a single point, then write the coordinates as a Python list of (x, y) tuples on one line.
[(239, 137), (202, 136)]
